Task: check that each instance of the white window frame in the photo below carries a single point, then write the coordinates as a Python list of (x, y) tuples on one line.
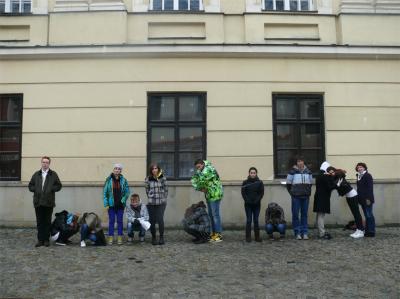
[(8, 6), (176, 5), (286, 5)]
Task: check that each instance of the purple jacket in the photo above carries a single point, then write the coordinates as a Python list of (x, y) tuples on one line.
[(365, 187)]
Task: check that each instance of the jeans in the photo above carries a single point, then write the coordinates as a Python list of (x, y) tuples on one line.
[(270, 228), (252, 213), (156, 215), (369, 218), (43, 222), (135, 227), (213, 212), (111, 220), (353, 205), (300, 204), (86, 234)]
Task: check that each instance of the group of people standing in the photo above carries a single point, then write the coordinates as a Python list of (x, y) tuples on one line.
[(201, 220)]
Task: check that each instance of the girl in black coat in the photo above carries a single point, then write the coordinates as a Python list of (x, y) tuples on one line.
[(252, 193)]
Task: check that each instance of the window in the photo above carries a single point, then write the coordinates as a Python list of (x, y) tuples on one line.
[(15, 6), (193, 5), (292, 5), (298, 130), (176, 132), (10, 136)]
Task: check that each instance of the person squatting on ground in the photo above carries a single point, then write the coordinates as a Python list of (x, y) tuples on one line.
[(157, 193), (115, 193), (365, 190), (64, 226), (345, 189), (275, 220), (91, 229), (324, 184), (298, 184), (137, 218), (252, 193), (197, 223), (207, 180), (44, 184)]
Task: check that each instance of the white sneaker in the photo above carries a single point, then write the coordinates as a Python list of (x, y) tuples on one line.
[(130, 240), (357, 234), (83, 244)]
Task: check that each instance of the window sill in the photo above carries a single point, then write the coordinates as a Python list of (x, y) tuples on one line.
[(290, 12), (153, 11)]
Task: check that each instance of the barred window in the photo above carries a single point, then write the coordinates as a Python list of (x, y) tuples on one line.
[(15, 6), (182, 5), (291, 5)]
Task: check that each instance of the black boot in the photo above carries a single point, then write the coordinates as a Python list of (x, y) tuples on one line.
[(154, 240), (257, 235), (248, 233), (161, 241)]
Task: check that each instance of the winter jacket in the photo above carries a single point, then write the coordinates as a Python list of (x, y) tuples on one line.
[(298, 182), (44, 197), (324, 184), (60, 224), (198, 220), (156, 189), (365, 187), (134, 214), (342, 185), (92, 220), (108, 196), (208, 179), (274, 214), (252, 190)]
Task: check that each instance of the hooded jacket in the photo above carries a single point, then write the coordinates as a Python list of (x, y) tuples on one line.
[(196, 218), (252, 190), (156, 189), (324, 184), (298, 182), (108, 195), (274, 214), (209, 180), (133, 214)]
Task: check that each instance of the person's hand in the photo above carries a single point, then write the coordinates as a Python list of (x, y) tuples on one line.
[(368, 202), (203, 190)]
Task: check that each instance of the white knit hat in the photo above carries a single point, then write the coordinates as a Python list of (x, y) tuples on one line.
[(324, 166), (118, 165)]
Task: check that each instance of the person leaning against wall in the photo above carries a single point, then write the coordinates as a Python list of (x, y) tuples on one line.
[(115, 193), (44, 184)]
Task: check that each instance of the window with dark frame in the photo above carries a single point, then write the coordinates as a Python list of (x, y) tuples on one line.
[(10, 136), (298, 124), (176, 132)]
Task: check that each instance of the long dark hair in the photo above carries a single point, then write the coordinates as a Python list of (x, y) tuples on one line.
[(153, 165)]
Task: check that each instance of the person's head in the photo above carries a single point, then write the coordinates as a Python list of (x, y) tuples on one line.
[(117, 169), (135, 200), (154, 170), (253, 172), (300, 162), (45, 162), (331, 170), (361, 167), (199, 164)]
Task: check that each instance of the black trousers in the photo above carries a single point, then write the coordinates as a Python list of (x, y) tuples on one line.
[(353, 205), (156, 215), (43, 222)]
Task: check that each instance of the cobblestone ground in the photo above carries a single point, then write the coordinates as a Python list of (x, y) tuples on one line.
[(339, 268)]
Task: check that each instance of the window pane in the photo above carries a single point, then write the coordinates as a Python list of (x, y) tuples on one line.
[(9, 166), (166, 162), (194, 4), (10, 109), (280, 4), (286, 136), (162, 108), (285, 160), (286, 109), (310, 109), (304, 5), (157, 4), (311, 135), (269, 4), (190, 139), (26, 6), (312, 159), (15, 6), (9, 139), (168, 4), (191, 108), (183, 5), (163, 139), (2, 6), (186, 160), (293, 4)]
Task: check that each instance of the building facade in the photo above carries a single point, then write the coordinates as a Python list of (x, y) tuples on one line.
[(239, 82)]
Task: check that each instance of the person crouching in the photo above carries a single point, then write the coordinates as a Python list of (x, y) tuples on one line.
[(197, 223), (138, 218)]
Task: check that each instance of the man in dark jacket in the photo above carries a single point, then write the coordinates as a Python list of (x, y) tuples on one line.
[(324, 184), (44, 183)]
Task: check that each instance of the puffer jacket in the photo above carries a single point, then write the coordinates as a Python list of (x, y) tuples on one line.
[(134, 214), (108, 196), (299, 182), (252, 190), (274, 214), (209, 180)]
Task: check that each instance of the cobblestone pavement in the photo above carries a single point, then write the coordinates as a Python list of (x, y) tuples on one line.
[(339, 268)]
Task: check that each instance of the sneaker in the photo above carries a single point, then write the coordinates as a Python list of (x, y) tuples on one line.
[(110, 240), (59, 243), (141, 239), (357, 234), (83, 244), (305, 237), (130, 239), (119, 240), (298, 237), (218, 237)]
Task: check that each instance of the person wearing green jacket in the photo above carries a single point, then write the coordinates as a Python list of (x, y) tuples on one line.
[(206, 180), (115, 193)]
